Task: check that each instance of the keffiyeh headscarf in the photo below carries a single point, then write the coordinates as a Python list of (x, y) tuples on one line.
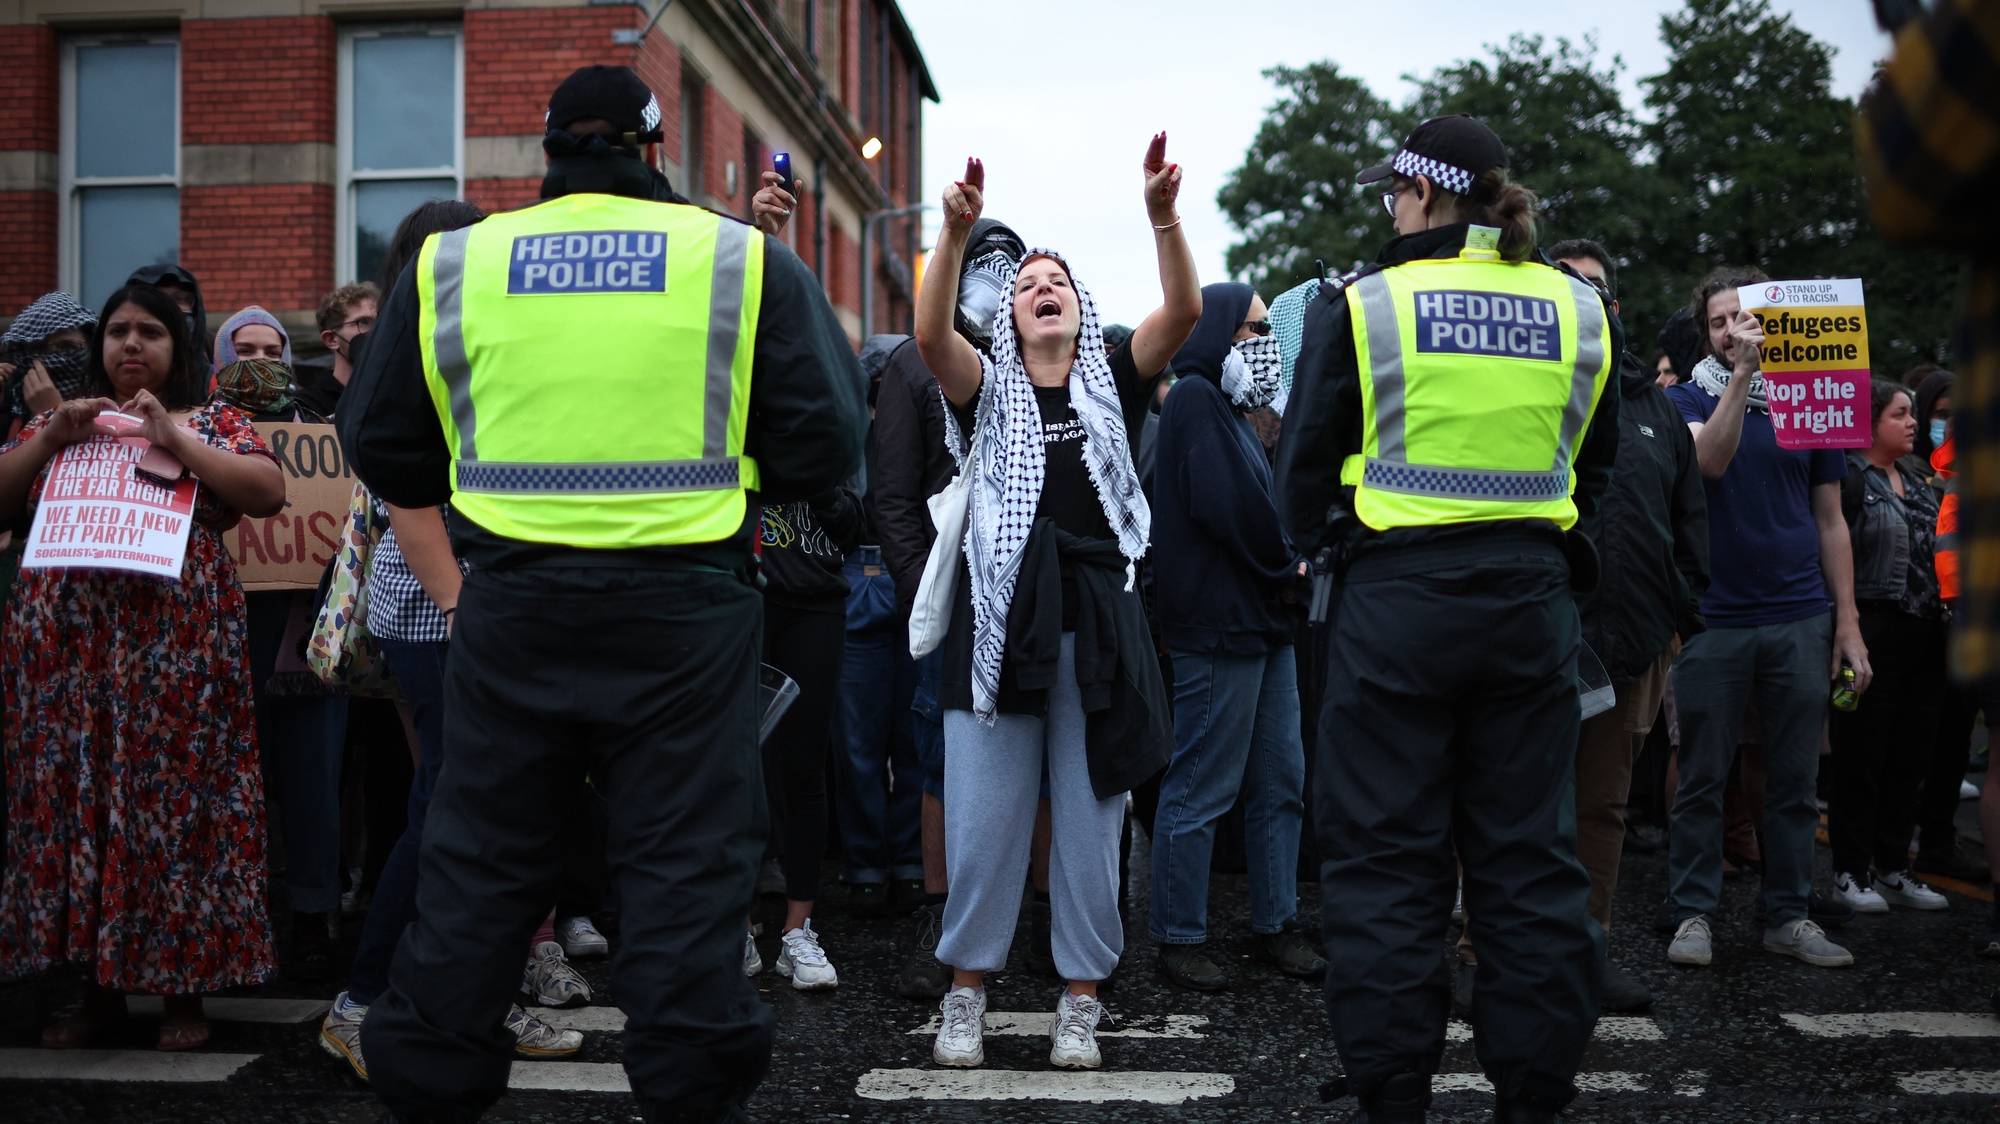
[(1713, 375), (1288, 327), (259, 386), (1250, 372), (1007, 468), (49, 314)]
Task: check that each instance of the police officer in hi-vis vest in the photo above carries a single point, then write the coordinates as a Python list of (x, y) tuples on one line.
[(605, 386), (1447, 429)]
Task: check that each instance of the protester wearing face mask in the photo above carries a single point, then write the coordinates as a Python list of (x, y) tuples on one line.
[(1882, 748), (345, 317), (1223, 567), (1047, 658), (43, 358)]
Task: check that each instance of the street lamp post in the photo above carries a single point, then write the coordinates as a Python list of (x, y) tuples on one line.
[(869, 223)]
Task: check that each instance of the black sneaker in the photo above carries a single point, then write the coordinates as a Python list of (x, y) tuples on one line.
[(906, 895), (1989, 947), (1831, 913), (1663, 918), (1956, 865), (1290, 951), (924, 977), (1621, 993), (1645, 839), (312, 946), (868, 899), (1402, 1099), (1191, 967)]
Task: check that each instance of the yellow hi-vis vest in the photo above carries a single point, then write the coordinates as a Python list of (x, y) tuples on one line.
[(590, 360), (1478, 377)]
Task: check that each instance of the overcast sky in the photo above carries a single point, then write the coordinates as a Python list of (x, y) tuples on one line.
[(1060, 99)]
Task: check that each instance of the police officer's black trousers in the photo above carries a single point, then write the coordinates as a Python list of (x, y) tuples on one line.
[(648, 678), (1450, 718)]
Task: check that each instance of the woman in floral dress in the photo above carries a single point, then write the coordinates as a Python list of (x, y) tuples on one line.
[(135, 808)]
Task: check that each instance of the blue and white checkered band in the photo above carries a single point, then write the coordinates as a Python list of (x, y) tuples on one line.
[(1455, 180), (652, 112)]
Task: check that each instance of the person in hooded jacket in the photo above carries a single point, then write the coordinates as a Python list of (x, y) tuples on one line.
[(44, 356), (179, 283), (1223, 567)]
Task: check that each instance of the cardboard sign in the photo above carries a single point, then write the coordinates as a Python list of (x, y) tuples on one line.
[(98, 513), (1815, 361), (290, 550)]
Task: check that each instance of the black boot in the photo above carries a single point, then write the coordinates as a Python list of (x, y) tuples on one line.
[(1402, 1099), (923, 976), (1292, 952), (312, 946), (1621, 992), (1190, 966)]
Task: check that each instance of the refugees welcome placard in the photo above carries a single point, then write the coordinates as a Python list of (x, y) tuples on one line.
[(1815, 361)]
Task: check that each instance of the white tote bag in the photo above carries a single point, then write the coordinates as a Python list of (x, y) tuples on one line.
[(930, 616)]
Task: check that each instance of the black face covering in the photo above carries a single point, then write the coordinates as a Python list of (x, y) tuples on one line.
[(579, 165)]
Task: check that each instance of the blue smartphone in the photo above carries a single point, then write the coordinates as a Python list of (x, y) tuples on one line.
[(781, 163)]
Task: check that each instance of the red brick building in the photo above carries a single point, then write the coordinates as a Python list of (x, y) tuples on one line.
[(271, 145)]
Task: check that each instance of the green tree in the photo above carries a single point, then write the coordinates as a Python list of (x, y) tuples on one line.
[(1754, 155), (1294, 199)]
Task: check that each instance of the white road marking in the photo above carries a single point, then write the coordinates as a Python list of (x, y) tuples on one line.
[(228, 1010), (1078, 1086), (1033, 1024), (569, 1077), (1915, 1024), (1693, 1083), (1946, 1081), (119, 1065), (1610, 1028), (1609, 1081)]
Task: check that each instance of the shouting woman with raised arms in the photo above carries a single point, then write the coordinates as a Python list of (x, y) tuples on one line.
[(1047, 655)]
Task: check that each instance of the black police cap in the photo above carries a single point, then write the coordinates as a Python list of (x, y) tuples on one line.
[(1452, 151), (610, 93)]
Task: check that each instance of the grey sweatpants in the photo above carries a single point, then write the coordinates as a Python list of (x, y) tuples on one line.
[(992, 783)]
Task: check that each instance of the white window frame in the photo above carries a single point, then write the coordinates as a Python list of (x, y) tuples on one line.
[(69, 219), (348, 177)]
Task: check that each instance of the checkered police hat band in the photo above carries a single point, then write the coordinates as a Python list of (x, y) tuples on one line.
[(1452, 179)]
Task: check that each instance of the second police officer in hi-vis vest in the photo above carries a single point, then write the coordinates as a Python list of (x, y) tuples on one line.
[(604, 386), (1447, 430)]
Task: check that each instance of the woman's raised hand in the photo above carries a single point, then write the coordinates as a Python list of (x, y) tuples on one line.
[(1163, 183), (76, 419), (966, 199)]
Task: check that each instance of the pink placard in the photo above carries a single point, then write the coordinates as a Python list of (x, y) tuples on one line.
[(1819, 409)]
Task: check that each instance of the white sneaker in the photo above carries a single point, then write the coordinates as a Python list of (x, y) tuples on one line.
[(961, 1028), (549, 981), (580, 938), (1692, 946), (534, 1038), (805, 961), (1902, 888), (753, 963), (1858, 895), (1967, 790), (1805, 940), (1073, 1032)]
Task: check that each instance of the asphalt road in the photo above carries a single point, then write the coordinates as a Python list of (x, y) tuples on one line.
[(1907, 1034)]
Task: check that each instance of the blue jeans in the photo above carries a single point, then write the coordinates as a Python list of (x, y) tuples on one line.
[(418, 669), (1783, 667), (927, 725), (880, 775), (1236, 730)]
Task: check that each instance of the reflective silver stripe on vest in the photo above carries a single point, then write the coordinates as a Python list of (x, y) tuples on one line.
[(601, 479), (448, 335), (1385, 357), (725, 321), (1583, 379), (1464, 483)]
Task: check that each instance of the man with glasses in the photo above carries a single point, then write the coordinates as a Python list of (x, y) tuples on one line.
[(345, 315)]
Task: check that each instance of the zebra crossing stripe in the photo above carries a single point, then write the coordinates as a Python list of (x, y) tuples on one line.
[(1075, 1086), (1610, 1028), (120, 1065), (1944, 1082), (1035, 1024), (569, 1077), (1914, 1024), (1605, 1081)]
